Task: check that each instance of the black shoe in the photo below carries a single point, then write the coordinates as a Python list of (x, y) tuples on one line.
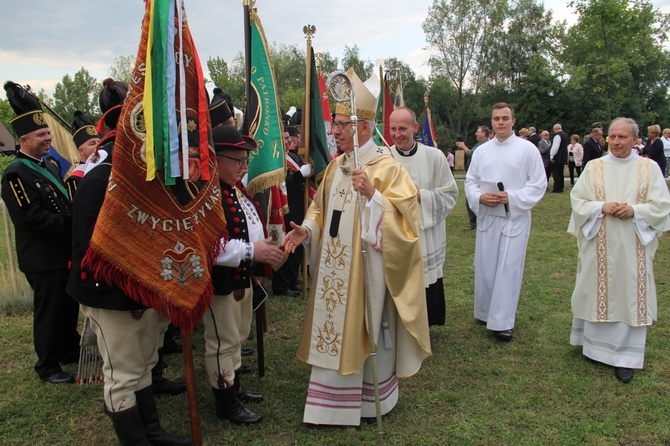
[(228, 407), (247, 397), (296, 287), (242, 395), (156, 435), (166, 387), (623, 374), (244, 369), (504, 335), (248, 351), (128, 426), (59, 378), (170, 346)]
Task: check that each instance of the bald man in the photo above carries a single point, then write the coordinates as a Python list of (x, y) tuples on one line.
[(437, 194)]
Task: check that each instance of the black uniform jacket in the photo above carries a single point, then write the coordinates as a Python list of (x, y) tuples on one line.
[(41, 213), (82, 286)]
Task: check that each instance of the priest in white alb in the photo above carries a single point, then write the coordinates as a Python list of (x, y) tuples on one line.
[(335, 335), (437, 193), (620, 206), (505, 180)]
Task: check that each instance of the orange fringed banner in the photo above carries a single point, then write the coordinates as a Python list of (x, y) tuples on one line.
[(155, 241)]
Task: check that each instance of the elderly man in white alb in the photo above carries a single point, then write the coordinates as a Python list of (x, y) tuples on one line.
[(620, 206), (437, 193), (505, 180)]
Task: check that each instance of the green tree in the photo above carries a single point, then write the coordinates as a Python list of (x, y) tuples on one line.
[(413, 88), (230, 78), (539, 98), (122, 68), (352, 58), (76, 93), (616, 61), (527, 33), (459, 32), (6, 115), (288, 62), (327, 63)]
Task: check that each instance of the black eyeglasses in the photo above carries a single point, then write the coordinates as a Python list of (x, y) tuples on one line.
[(342, 124), (239, 161)]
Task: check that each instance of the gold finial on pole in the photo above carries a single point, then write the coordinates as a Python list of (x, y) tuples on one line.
[(309, 31), (319, 60), (425, 98)]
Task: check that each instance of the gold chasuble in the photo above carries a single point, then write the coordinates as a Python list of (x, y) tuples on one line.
[(335, 334)]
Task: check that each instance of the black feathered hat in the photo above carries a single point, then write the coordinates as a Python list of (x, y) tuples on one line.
[(226, 137), (111, 99), (221, 107), (292, 130), (29, 116), (83, 128)]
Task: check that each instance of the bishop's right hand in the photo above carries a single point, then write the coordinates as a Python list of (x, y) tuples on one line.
[(294, 238)]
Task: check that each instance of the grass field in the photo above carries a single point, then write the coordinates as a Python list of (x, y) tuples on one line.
[(536, 390)]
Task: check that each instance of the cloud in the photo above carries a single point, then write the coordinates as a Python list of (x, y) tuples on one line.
[(43, 40)]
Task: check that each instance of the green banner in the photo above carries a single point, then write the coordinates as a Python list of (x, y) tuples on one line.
[(267, 165), (318, 143)]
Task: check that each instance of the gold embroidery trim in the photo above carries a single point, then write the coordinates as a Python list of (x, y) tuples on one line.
[(643, 177), (602, 291), (333, 289)]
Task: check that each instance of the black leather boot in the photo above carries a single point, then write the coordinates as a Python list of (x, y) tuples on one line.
[(149, 413), (161, 385), (228, 407), (243, 395), (129, 427), (170, 345)]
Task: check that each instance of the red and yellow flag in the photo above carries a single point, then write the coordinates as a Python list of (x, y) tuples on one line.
[(160, 224)]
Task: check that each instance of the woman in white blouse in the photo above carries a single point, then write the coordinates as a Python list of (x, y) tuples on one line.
[(575, 157), (666, 149)]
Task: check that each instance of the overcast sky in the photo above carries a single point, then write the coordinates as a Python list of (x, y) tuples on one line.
[(42, 40)]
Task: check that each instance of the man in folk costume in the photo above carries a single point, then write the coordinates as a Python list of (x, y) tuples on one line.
[(221, 113), (128, 333), (505, 180), (335, 337), (620, 206), (40, 208), (286, 281), (240, 261), (437, 193)]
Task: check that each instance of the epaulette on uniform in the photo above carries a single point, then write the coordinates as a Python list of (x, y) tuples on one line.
[(19, 192)]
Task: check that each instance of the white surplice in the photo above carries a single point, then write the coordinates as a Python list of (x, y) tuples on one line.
[(502, 236), (614, 299), (430, 172)]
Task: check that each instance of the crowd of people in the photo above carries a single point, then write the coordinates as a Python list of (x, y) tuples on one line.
[(374, 237)]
